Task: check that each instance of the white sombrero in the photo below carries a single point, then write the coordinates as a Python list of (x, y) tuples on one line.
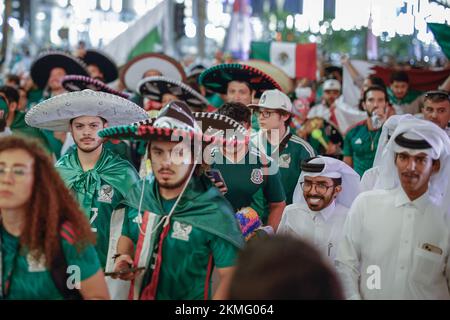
[(55, 113), (133, 72)]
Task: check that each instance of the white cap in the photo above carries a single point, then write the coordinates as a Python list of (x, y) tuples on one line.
[(331, 84), (274, 99)]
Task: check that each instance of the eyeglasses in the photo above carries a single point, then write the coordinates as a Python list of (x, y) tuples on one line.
[(321, 188), (264, 113), (18, 173)]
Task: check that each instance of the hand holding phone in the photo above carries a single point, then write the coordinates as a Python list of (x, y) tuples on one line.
[(217, 179)]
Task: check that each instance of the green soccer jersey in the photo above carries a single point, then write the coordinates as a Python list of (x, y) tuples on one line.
[(245, 178), (361, 145), (28, 279), (203, 234), (99, 192), (289, 160)]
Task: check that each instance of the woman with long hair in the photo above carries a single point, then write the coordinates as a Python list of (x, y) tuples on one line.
[(46, 243)]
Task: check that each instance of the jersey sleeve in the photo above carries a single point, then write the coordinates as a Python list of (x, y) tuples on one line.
[(130, 227), (224, 253), (86, 260), (348, 152), (273, 189)]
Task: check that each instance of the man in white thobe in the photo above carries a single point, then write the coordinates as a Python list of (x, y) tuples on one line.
[(324, 193), (396, 239)]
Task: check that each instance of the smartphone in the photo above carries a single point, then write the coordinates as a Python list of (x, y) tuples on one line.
[(123, 271), (216, 176)]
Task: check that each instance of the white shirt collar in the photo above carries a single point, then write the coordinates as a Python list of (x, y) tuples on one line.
[(325, 213), (402, 199)]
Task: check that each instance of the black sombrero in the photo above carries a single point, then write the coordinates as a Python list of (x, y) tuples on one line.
[(74, 83), (47, 61), (133, 72), (174, 123), (106, 64), (155, 87), (217, 78)]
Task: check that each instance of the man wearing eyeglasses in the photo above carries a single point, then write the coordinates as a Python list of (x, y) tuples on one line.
[(322, 198), (437, 108)]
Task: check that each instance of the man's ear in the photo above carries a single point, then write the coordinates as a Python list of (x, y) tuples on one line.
[(337, 190), (436, 166), (253, 96), (13, 106)]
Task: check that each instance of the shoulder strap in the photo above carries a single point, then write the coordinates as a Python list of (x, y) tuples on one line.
[(60, 276), (284, 142)]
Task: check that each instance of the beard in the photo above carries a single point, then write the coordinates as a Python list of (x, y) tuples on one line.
[(89, 149), (173, 185)]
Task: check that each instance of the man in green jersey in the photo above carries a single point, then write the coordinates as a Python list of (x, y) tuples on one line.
[(99, 178), (274, 112), (188, 227), (361, 141), (247, 171)]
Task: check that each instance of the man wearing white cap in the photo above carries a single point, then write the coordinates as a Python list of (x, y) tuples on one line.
[(99, 178), (369, 180), (396, 240), (274, 112), (324, 193)]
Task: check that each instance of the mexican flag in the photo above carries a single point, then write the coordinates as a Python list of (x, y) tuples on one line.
[(295, 59), (441, 33)]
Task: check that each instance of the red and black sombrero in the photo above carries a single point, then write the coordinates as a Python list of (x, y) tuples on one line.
[(175, 123), (217, 78), (105, 63), (47, 61), (74, 83)]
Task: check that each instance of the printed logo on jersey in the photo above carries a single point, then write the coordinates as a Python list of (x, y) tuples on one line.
[(106, 194), (257, 176), (35, 265), (181, 231), (358, 141), (285, 160)]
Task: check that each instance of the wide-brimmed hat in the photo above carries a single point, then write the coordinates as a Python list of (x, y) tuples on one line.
[(217, 78), (155, 87), (133, 72), (175, 122), (55, 113), (73, 83), (47, 61), (286, 83), (105, 63), (219, 125)]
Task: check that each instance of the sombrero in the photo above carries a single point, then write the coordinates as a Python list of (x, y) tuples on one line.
[(73, 83), (47, 61), (195, 70), (219, 125), (106, 64), (217, 78), (133, 72), (175, 122), (55, 113), (155, 87), (276, 73)]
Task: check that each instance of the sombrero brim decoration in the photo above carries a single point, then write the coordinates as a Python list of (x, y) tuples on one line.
[(174, 123), (286, 83), (155, 87), (215, 124), (73, 83), (133, 72), (217, 78), (47, 61), (55, 113), (106, 64)]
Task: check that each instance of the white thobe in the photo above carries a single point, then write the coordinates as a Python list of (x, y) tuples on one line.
[(321, 228), (369, 180), (382, 254)]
